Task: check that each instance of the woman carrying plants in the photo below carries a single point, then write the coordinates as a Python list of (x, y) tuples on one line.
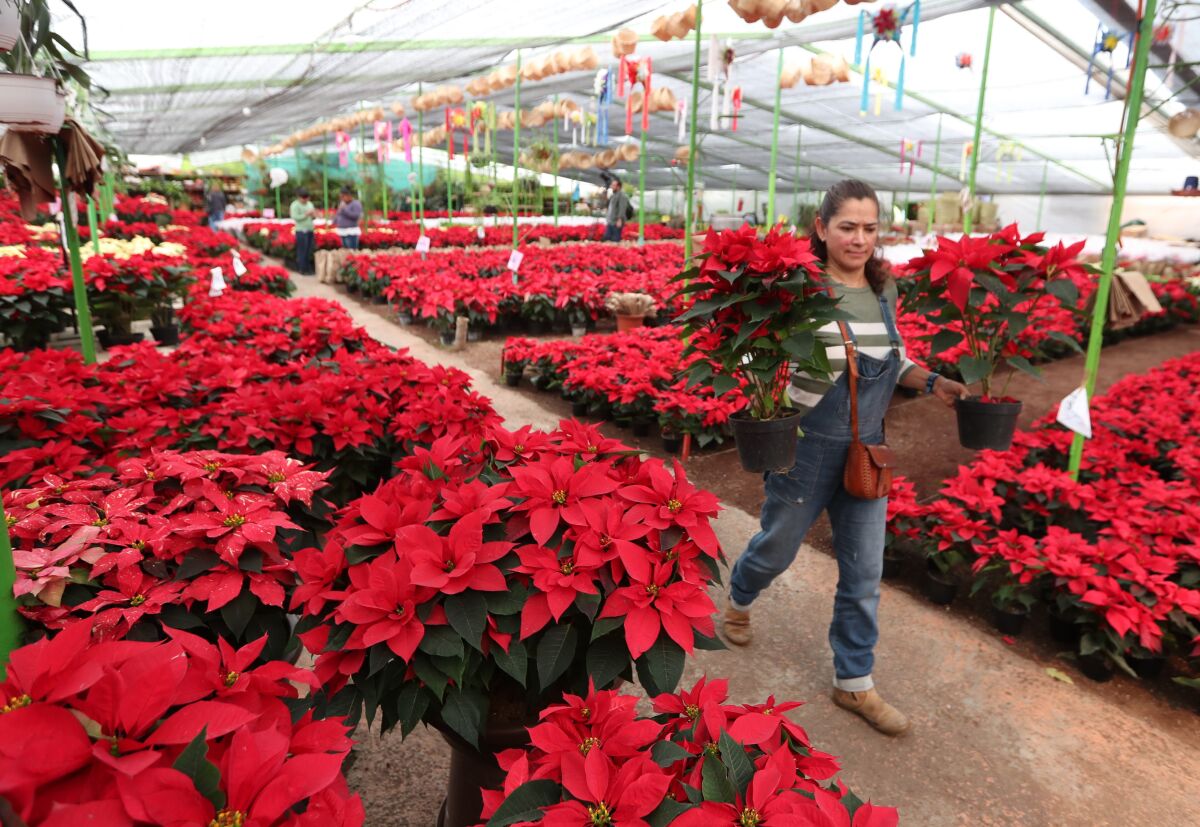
[(844, 238)]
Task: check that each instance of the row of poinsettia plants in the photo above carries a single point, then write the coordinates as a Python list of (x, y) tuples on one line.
[(280, 239), (565, 285), (1113, 555), (169, 510), (635, 375), (1034, 315), (142, 271)]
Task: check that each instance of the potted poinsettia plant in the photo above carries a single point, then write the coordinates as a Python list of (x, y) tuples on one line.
[(987, 293), (698, 762), (755, 306), (475, 587)]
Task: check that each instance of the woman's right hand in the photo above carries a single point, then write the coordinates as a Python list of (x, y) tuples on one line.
[(949, 391)]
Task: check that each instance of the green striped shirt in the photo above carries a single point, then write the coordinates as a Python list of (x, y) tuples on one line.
[(869, 329)]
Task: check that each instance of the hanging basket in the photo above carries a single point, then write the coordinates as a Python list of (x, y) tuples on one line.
[(10, 24), (32, 104)]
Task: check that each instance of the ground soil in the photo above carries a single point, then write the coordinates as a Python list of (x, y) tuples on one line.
[(997, 738)]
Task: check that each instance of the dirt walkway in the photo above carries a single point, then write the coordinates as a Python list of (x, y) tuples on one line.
[(996, 740)]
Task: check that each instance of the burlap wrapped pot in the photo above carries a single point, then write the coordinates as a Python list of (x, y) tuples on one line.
[(624, 42)]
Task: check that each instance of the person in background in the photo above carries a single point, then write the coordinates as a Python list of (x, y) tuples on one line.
[(618, 209), (216, 204), (345, 221), (302, 211)]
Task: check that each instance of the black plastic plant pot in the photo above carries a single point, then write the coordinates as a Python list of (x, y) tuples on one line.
[(1064, 631), (109, 340), (1009, 621), (1148, 667), (602, 411), (447, 338), (939, 588), (893, 565), (512, 379), (379, 299), (474, 335), (622, 421), (404, 318), (352, 288), (672, 443), (536, 327), (986, 424), (541, 382), (167, 335), (1096, 667), (766, 444), (641, 425), (579, 408)]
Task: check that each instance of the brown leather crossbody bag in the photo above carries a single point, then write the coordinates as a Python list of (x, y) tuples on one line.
[(868, 474)]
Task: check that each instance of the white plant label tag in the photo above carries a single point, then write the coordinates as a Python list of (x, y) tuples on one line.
[(238, 267), (479, 233), (218, 282), (269, 213), (423, 244), (514, 260), (1073, 412)]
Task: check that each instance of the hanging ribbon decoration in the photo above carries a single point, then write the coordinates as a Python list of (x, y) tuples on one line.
[(1106, 43), (455, 119), (910, 151), (967, 149), (383, 141), (736, 104), (602, 88), (634, 72), (720, 75), (886, 26), (681, 119), (341, 140), (406, 132)]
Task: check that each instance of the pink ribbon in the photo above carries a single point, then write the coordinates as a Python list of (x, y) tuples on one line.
[(383, 141), (342, 141), (406, 132)]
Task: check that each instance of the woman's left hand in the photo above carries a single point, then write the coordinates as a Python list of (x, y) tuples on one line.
[(948, 390)]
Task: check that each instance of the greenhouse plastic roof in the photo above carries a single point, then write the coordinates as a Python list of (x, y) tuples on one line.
[(177, 88)]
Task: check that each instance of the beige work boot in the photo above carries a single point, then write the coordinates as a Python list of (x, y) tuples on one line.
[(737, 627), (874, 710)]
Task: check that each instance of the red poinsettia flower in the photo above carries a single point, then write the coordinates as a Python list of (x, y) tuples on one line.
[(664, 500), (958, 261), (558, 581), (382, 601), (458, 562), (553, 490), (606, 794), (651, 606)]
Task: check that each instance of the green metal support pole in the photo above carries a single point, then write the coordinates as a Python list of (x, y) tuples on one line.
[(775, 143), (692, 159), (10, 621), (516, 150), (642, 191), (82, 312), (1133, 108), (325, 170), (975, 153), (93, 228), (1042, 194), (556, 159), (937, 157), (278, 208), (449, 186), (421, 163), (383, 186)]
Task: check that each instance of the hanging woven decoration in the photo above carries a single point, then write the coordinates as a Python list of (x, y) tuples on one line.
[(1106, 43), (633, 72), (602, 96), (886, 26), (383, 141), (720, 75)]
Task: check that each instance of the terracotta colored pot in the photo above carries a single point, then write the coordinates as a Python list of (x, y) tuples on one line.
[(625, 323)]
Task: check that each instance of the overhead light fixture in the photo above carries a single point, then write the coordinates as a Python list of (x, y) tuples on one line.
[(246, 111)]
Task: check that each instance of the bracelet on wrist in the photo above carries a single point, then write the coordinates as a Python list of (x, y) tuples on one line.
[(931, 381)]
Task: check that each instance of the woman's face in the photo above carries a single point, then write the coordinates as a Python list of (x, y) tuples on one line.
[(851, 234)]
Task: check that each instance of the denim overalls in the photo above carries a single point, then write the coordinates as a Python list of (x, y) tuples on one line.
[(795, 499)]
